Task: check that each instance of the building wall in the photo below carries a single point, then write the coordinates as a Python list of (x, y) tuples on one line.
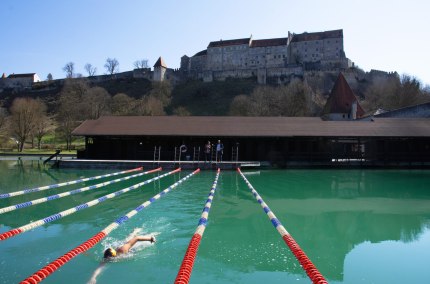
[(159, 74), (319, 51), (227, 57)]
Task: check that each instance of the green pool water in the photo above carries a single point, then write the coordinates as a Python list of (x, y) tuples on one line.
[(357, 226)]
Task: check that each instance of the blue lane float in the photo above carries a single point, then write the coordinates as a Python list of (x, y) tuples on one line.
[(68, 193), (52, 186), (75, 209), (44, 272), (186, 267)]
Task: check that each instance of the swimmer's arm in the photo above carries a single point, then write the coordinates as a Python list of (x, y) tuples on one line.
[(96, 273), (128, 245)]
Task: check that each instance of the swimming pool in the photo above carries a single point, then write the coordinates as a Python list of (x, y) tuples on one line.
[(357, 226)]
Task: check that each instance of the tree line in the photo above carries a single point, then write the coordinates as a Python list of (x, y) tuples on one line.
[(299, 99), (28, 121), (111, 66)]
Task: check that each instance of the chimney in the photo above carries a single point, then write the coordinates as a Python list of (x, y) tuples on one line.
[(354, 110)]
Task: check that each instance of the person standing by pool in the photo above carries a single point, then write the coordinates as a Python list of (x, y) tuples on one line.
[(208, 151), (219, 151), (183, 151)]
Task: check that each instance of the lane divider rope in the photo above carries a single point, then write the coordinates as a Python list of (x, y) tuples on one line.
[(41, 188), (303, 259), (186, 267), (75, 209), (68, 193), (44, 272)]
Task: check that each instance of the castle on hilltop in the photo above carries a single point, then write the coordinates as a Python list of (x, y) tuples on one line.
[(269, 60), (273, 61)]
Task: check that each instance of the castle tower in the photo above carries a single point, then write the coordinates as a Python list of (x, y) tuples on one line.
[(160, 69), (342, 103)]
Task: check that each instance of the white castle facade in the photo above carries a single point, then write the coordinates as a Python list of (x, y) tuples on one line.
[(269, 60)]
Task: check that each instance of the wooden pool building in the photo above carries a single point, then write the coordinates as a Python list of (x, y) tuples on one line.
[(271, 141)]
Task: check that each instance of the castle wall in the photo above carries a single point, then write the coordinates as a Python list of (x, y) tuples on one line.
[(267, 57), (227, 57), (263, 58)]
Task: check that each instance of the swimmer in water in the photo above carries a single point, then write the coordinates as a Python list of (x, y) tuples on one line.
[(110, 252), (125, 248)]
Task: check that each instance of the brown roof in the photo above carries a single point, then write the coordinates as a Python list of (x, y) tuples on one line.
[(221, 126), (229, 42), (160, 62), (341, 98), (317, 36), (269, 42), (21, 75)]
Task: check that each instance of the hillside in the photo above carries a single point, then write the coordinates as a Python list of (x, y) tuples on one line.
[(374, 89)]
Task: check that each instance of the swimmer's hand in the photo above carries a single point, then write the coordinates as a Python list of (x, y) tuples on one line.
[(152, 240)]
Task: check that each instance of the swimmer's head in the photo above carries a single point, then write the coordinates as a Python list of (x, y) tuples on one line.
[(110, 252)]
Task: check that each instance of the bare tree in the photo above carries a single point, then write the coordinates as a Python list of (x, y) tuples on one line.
[(162, 91), (150, 106), (140, 64), (71, 105), (49, 77), (122, 104), (394, 92), (69, 68), (43, 125), (240, 106), (24, 114), (3, 129), (97, 102), (3, 115), (295, 99), (112, 65), (91, 70)]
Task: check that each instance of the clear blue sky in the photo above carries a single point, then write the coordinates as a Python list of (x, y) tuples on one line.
[(42, 36)]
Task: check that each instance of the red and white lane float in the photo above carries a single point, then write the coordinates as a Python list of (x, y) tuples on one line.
[(68, 193), (305, 262), (41, 188), (75, 209), (53, 266)]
